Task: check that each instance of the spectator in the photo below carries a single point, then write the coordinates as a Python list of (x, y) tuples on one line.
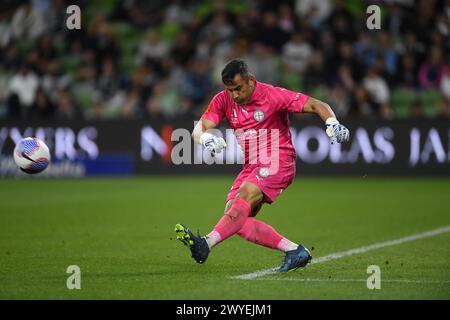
[(132, 105), (153, 49), (55, 16), (443, 24), (172, 73), (24, 84), (27, 22), (433, 70), (361, 105), (87, 70), (386, 112), (197, 83), (109, 89), (346, 56), (178, 12), (14, 108), (248, 23), (341, 22), (54, 79), (103, 43), (270, 35), (108, 82), (339, 99), (388, 53), (395, 21), (317, 11), (297, 53), (45, 49), (316, 73), (415, 110), (163, 103), (219, 29), (423, 19), (376, 87), (42, 107), (443, 109), (286, 20), (345, 77), (183, 49), (411, 45), (140, 12), (328, 46), (10, 60), (66, 108), (263, 63), (445, 83), (365, 49), (407, 72)]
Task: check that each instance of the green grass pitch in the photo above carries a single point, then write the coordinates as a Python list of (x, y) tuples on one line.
[(120, 233)]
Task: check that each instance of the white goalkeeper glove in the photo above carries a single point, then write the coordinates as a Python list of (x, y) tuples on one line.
[(212, 143), (337, 132)]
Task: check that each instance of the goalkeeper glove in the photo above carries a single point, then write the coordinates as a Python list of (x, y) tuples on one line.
[(336, 131), (212, 143)]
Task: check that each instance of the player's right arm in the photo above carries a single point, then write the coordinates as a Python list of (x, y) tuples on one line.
[(209, 120), (202, 126)]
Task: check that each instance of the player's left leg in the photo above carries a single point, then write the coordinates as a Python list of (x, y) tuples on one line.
[(198, 246), (245, 197)]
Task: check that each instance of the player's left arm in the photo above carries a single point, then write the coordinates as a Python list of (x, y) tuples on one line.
[(336, 131)]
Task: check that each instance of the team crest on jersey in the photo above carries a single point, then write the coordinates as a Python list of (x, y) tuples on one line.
[(259, 115), (263, 172)]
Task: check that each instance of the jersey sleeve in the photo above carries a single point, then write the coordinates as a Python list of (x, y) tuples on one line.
[(216, 109), (290, 101)]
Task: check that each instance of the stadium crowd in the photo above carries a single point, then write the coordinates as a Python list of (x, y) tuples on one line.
[(162, 59)]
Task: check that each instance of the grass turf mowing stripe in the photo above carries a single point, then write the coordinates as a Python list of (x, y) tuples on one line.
[(417, 281), (351, 252)]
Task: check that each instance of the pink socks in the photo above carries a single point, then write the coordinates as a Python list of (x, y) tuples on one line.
[(232, 221), (236, 220), (263, 234)]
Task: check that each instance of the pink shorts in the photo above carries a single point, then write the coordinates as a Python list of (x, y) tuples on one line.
[(270, 184)]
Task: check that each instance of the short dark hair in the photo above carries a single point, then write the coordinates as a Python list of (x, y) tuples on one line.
[(234, 67)]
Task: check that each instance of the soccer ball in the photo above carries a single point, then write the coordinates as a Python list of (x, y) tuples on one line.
[(31, 155)]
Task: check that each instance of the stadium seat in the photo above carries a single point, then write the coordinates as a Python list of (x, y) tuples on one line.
[(291, 80), (429, 99), (401, 101)]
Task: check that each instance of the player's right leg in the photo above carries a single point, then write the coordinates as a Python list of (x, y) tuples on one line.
[(263, 234)]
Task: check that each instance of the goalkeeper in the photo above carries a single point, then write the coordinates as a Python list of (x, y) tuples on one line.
[(258, 113)]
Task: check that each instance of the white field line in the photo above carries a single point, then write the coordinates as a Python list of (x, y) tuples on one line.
[(418, 281), (351, 252)]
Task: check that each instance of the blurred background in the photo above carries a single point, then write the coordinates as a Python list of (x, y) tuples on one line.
[(149, 67)]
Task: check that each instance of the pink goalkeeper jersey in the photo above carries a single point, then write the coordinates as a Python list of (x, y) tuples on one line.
[(264, 119)]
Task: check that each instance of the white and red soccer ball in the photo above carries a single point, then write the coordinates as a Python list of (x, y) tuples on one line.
[(31, 155)]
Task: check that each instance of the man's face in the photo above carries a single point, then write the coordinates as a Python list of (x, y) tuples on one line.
[(240, 89)]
